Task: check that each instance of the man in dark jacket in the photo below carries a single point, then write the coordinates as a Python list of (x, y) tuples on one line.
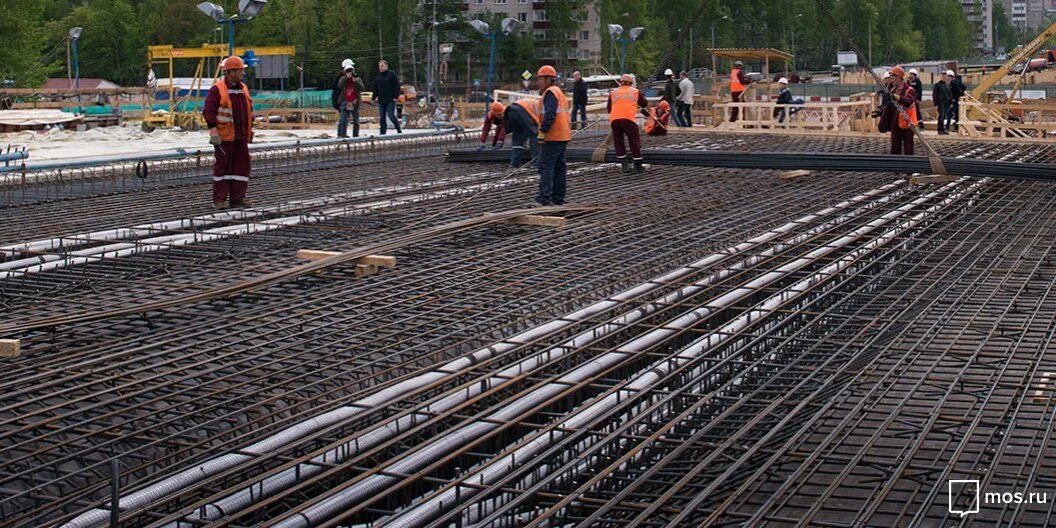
[(957, 90), (941, 94), (579, 99), (386, 90), (671, 95), (345, 98)]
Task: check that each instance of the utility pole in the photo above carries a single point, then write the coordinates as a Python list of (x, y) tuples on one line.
[(69, 66)]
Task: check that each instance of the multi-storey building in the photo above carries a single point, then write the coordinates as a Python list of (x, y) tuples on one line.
[(980, 15), (585, 48)]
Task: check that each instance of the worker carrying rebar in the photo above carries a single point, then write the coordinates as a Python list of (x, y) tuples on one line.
[(555, 131), (495, 117), (901, 93), (229, 113), (521, 122), (624, 104)]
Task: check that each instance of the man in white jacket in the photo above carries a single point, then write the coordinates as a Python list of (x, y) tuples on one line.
[(685, 100)]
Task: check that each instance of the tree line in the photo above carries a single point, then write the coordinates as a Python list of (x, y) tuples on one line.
[(117, 32)]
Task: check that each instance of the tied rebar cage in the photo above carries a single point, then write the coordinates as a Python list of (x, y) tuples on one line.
[(695, 346)]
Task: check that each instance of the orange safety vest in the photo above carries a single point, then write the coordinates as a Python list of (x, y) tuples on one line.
[(735, 81), (912, 113), (225, 122), (561, 130), (624, 103), (531, 106)]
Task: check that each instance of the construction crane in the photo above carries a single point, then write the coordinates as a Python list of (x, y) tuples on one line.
[(1023, 55)]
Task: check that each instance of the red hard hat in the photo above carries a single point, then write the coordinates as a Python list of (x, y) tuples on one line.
[(626, 79), (897, 71), (233, 62), (547, 71), (497, 108)]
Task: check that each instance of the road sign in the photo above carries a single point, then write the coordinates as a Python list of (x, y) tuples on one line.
[(526, 75)]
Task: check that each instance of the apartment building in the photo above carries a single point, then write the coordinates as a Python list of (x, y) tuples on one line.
[(980, 15), (587, 38)]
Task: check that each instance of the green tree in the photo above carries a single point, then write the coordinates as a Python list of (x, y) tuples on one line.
[(23, 48), (113, 44)]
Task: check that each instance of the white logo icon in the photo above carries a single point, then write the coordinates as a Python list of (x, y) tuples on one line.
[(959, 488)]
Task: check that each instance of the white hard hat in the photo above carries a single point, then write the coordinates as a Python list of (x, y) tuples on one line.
[(347, 63), (668, 72), (913, 71), (950, 73), (783, 80)]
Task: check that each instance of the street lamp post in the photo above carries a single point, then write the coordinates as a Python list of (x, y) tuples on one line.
[(75, 35), (616, 34), (508, 25), (247, 9), (713, 22), (794, 19)]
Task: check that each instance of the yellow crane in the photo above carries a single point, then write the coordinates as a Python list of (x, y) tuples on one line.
[(1022, 55)]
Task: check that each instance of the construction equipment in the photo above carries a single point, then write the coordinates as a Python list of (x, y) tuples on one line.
[(167, 55), (1024, 54)]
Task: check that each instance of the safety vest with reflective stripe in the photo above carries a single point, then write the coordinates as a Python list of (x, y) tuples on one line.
[(531, 106), (225, 121), (561, 129), (624, 103), (735, 81)]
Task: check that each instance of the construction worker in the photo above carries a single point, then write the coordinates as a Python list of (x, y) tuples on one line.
[(957, 90), (684, 108), (940, 94), (555, 131), (671, 94), (623, 107), (902, 94), (345, 98), (229, 113), (521, 122), (386, 90), (495, 117), (913, 80), (738, 84), (657, 123)]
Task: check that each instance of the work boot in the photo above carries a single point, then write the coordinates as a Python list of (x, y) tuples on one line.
[(219, 204), (241, 203), (625, 166), (638, 167)]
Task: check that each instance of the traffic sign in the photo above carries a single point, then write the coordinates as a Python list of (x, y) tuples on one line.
[(526, 75)]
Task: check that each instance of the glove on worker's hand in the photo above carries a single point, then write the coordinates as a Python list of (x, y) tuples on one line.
[(214, 139)]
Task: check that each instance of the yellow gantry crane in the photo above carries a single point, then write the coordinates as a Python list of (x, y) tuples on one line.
[(1023, 55), (167, 55)]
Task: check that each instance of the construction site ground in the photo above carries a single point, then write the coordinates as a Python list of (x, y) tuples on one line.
[(836, 349)]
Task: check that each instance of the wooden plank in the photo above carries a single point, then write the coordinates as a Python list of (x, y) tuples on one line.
[(381, 261), (10, 348), (315, 254), (934, 178), (537, 220), (788, 175), (364, 270)]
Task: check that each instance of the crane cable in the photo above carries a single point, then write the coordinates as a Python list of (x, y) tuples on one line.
[(937, 167)]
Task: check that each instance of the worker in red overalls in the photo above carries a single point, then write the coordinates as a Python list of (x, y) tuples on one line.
[(229, 113), (494, 118)]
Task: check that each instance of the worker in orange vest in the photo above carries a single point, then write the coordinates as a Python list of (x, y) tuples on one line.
[(229, 113), (902, 94), (657, 123), (521, 121), (555, 131), (624, 104), (738, 84), (495, 117)]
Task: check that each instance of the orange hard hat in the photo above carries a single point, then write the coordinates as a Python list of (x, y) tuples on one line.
[(233, 62), (897, 71), (546, 71), (626, 79), (497, 108), (664, 104)]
